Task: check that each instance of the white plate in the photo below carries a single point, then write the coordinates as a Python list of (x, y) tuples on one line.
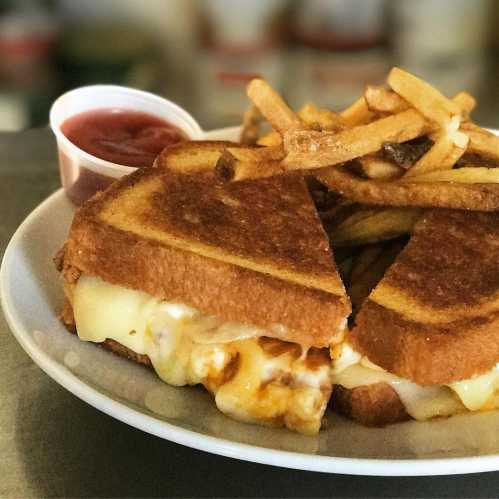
[(31, 298)]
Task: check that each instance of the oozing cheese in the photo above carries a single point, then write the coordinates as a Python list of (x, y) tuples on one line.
[(251, 382), (351, 370)]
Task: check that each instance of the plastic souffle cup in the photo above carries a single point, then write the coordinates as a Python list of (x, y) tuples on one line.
[(83, 174)]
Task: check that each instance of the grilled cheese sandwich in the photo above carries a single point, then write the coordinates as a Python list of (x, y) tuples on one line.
[(425, 340), (242, 297)]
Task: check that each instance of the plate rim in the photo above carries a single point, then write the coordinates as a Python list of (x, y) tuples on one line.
[(207, 443)]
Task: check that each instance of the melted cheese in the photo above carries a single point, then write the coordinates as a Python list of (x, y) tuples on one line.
[(477, 393), (351, 370), (186, 347)]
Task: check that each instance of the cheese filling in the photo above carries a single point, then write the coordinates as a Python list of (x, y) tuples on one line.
[(253, 378), (351, 370)]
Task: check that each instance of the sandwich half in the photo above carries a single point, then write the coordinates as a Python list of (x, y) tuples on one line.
[(228, 285), (426, 341)]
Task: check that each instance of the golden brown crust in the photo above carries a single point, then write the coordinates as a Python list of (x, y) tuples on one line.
[(484, 197), (428, 354), (268, 225), (370, 405), (309, 316), (434, 317), (451, 261)]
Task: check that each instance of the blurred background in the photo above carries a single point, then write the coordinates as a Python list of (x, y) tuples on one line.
[(201, 53)]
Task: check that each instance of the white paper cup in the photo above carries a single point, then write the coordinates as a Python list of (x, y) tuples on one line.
[(83, 174)]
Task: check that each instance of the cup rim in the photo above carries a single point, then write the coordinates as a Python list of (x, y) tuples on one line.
[(196, 132)]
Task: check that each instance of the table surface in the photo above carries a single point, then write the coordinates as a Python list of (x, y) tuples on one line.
[(53, 444)]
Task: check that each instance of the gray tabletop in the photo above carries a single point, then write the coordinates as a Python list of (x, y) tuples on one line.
[(53, 444)]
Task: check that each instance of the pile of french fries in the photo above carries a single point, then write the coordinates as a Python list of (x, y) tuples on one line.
[(397, 150), (347, 151)]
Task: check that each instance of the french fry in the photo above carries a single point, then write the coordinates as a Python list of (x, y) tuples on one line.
[(273, 107), (219, 156), (322, 118), (364, 278), (308, 150), (344, 268), (467, 175), (192, 157), (380, 225), (378, 168), (358, 113), (443, 155), (383, 100), (418, 194), (338, 213), (423, 97), (364, 259), (344, 258), (482, 142), (465, 102), (358, 214), (238, 163), (251, 125), (311, 116), (270, 139)]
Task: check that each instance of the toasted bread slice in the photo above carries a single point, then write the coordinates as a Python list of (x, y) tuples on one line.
[(251, 252), (434, 317)]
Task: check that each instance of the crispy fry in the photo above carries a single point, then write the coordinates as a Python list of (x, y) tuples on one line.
[(364, 259), (308, 150), (465, 102), (324, 119), (480, 197), (358, 113), (238, 163), (336, 214), (272, 106), (364, 278), (311, 116), (443, 155), (383, 100), (378, 168), (358, 214), (220, 156), (425, 98), (344, 268), (379, 225), (192, 157), (482, 141), (467, 175), (270, 139), (251, 125)]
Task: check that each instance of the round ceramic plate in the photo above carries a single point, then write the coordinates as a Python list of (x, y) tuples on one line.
[(32, 297)]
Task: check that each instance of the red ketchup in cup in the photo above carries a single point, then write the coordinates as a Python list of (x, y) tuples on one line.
[(121, 136), (105, 131)]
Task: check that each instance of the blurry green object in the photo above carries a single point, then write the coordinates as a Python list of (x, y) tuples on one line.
[(118, 54)]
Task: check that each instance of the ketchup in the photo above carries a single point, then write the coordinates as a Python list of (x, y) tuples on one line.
[(130, 138)]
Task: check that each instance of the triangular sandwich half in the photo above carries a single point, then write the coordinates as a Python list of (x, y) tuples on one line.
[(231, 285), (426, 342)]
